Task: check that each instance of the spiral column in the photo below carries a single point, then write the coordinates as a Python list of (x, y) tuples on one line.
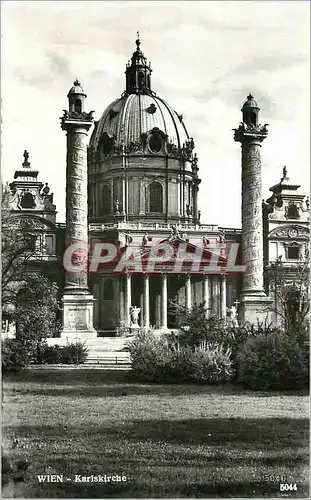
[(254, 304), (77, 302)]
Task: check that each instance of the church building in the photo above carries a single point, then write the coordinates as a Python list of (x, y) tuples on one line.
[(134, 185)]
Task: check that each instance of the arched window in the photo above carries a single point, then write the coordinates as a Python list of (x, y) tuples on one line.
[(141, 80), (155, 197), (108, 289), (107, 143), (253, 118), (78, 105), (28, 201), (106, 200)]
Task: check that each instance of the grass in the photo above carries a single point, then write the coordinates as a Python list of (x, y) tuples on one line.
[(170, 441)]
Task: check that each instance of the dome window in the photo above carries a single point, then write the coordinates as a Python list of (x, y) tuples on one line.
[(155, 143), (113, 113), (141, 80), (107, 144), (155, 197), (28, 201)]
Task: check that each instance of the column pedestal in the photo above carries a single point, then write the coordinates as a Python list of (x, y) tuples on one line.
[(255, 308), (77, 317)]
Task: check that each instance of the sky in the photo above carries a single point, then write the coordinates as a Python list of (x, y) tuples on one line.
[(206, 57)]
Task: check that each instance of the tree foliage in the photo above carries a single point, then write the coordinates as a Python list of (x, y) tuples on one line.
[(18, 249), (36, 311), (292, 294), (197, 328)]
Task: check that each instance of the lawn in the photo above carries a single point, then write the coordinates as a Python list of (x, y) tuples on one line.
[(168, 440)]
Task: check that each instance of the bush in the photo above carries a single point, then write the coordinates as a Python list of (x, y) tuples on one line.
[(74, 353), (156, 360), (276, 361), (14, 356), (150, 357), (51, 354), (212, 364), (69, 354)]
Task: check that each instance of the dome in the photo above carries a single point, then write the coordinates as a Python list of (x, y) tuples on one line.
[(76, 89), (127, 118), (250, 103)]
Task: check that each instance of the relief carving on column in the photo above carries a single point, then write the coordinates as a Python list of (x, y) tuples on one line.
[(76, 206), (252, 217)]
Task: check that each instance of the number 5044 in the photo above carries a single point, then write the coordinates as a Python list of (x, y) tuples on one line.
[(288, 487)]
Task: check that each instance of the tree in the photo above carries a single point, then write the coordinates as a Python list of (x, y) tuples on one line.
[(36, 313), (18, 249), (197, 328), (291, 290)]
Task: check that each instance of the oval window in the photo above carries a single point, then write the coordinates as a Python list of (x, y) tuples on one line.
[(155, 144)]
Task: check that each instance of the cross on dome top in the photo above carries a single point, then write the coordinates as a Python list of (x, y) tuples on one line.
[(138, 42), (138, 72)]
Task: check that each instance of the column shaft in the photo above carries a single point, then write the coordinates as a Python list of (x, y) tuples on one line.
[(121, 302), (164, 301), (123, 196), (146, 301), (252, 235), (128, 299), (158, 311), (206, 294), (215, 296), (223, 308), (76, 205), (188, 292)]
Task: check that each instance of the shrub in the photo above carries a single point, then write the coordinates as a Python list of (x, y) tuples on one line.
[(74, 353), (14, 356), (156, 360), (212, 364), (69, 354), (150, 357), (51, 354), (276, 361)]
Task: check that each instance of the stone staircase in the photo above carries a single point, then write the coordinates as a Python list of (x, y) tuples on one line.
[(108, 351)]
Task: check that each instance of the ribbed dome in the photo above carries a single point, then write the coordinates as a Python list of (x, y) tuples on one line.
[(76, 89), (250, 103), (132, 115)]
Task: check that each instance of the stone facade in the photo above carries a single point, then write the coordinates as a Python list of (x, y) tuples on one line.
[(136, 185)]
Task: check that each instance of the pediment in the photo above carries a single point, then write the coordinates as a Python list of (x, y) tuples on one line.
[(289, 232)]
